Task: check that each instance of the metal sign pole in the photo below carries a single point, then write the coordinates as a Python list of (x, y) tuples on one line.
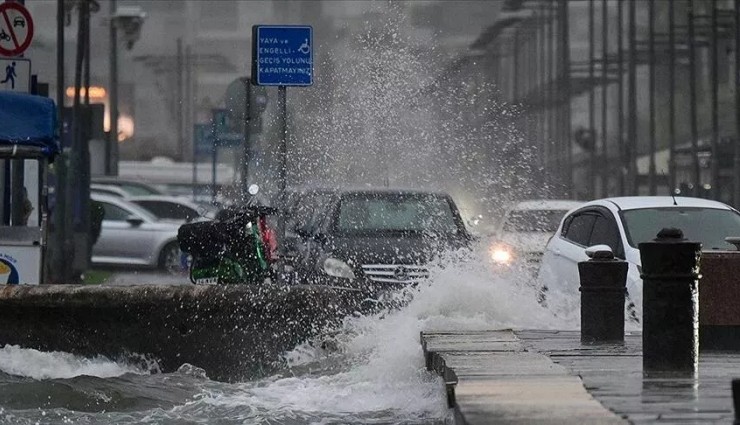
[(282, 107), (214, 158)]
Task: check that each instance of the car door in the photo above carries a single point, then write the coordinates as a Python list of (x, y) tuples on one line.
[(169, 210), (571, 250), (606, 232), (121, 241)]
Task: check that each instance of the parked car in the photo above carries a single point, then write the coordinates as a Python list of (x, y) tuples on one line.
[(622, 224), (131, 235), (527, 226), (379, 239), (130, 187), (102, 189), (174, 209)]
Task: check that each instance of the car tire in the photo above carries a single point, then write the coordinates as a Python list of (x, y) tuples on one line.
[(169, 258)]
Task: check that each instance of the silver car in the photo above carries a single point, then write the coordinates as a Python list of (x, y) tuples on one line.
[(174, 209), (131, 235)]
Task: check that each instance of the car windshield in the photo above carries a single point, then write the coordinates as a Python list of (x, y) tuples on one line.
[(710, 226), (363, 213), (533, 220), (302, 211)]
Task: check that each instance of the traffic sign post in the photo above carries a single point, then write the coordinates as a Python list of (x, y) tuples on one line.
[(15, 75), (16, 29), (282, 55)]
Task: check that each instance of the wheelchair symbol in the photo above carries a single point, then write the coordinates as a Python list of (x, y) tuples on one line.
[(305, 48)]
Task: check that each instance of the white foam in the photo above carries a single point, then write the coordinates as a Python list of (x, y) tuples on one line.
[(35, 364), (386, 370)]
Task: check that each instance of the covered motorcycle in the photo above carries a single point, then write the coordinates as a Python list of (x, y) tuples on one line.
[(236, 248)]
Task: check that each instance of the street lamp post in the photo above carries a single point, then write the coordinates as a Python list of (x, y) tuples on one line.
[(112, 151), (130, 20)]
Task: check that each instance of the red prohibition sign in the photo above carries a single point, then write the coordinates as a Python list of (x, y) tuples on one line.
[(16, 29)]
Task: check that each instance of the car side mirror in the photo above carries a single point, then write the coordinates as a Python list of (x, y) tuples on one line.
[(600, 252), (134, 221), (734, 240)]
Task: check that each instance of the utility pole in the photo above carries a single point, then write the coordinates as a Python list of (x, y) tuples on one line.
[(692, 101), (620, 98), (651, 54), (605, 163), (714, 170), (591, 103), (552, 99), (86, 132), (113, 89), (736, 159), (542, 84), (76, 178), (632, 185), (565, 98), (672, 97), (188, 112), (179, 95), (59, 263), (547, 78), (515, 74)]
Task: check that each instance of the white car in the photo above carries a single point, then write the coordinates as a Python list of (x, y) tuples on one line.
[(622, 224), (174, 209), (132, 236), (522, 235)]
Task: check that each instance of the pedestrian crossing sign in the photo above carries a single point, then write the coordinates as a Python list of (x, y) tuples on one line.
[(15, 75)]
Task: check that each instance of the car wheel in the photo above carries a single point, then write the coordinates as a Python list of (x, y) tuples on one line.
[(169, 258)]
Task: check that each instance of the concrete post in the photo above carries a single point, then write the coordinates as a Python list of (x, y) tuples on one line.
[(603, 288), (670, 275)]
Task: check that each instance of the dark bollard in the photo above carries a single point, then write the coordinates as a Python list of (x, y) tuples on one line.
[(603, 289), (736, 400), (670, 306)]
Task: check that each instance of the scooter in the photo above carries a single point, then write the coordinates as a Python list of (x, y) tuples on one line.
[(236, 248)]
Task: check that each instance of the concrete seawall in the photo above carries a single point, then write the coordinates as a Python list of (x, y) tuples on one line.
[(232, 332)]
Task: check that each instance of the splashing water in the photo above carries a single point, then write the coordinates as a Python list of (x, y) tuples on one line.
[(374, 365), (398, 116), (57, 365), (369, 370), (389, 108)]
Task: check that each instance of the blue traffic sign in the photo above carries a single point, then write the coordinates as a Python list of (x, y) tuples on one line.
[(203, 139), (282, 55), (222, 126)]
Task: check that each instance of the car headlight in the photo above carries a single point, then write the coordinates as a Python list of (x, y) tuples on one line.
[(502, 255), (338, 268)]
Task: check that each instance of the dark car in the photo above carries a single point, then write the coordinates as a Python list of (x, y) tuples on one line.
[(303, 211), (380, 239)]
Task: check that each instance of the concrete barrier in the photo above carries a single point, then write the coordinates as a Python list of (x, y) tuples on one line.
[(233, 332)]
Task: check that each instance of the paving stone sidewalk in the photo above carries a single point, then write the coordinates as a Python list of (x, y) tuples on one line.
[(549, 377)]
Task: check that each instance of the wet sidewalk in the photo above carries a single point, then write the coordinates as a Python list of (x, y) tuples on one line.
[(548, 377)]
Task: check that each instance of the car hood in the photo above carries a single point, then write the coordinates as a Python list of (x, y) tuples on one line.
[(389, 249)]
